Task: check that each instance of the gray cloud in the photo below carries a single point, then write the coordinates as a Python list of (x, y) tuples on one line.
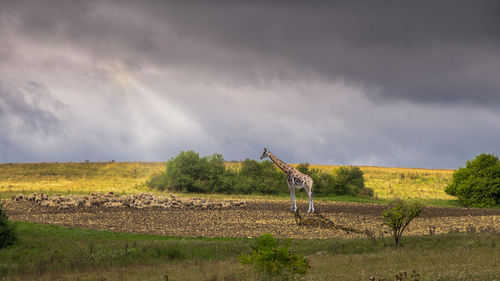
[(30, 108), (383, 83), (427, 51), (27, 111)]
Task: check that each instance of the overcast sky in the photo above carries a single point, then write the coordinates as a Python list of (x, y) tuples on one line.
[(386, 83)]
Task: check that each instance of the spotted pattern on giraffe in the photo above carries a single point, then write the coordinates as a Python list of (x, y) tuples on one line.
[(295, 180)]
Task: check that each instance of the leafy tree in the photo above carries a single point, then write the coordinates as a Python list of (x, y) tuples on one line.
[(185, 172), (7, 230), (345, 180), (215, 171), (303, 168), (478, 183), (271, 261), (260, 177), (398, 216), (324, 183), (350, 178), (188, 172)]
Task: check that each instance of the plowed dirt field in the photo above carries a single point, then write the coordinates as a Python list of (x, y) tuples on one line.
[(255, 218)]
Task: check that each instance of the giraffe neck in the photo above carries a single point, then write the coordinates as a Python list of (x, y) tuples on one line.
[(282, 165)]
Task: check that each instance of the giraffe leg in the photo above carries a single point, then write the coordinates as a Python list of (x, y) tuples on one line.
[(292, 197), (294, 202), (311, 204), (309, 194)]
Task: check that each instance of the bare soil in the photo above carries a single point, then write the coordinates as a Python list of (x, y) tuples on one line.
[(255, 218)]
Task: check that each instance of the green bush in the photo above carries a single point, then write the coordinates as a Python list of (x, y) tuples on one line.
[(398, 216), (344, 181), (158, 181), (260, 177), (478, 184), (271, 261), (7, 230), (187, 172), (350, 178)]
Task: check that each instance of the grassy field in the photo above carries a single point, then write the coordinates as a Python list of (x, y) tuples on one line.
[(403, 182), (47, 252), (77, 178), (129, 177)]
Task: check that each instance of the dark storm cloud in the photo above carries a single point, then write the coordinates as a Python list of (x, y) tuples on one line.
[(426, 51), (351, 82), (440, 51)]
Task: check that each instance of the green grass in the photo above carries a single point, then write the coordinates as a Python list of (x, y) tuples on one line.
[(46, 252), (47, 249)]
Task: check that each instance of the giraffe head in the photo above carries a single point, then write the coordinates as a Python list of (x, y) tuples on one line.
[(265, 154)]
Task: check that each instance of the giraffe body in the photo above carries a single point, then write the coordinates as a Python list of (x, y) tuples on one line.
[(295, 180)]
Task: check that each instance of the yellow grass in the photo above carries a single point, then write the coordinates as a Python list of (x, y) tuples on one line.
[(119, 177), (403, 182), (130, 177)]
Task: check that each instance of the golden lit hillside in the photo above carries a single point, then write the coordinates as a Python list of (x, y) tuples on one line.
[(129, 177)]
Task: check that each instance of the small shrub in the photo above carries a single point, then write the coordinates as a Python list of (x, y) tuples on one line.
[(158, 181), (270, 261), (7, 230), (398, 216), (366, 192), (350, 178)]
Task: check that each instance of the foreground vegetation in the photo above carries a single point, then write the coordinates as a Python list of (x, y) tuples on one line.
[(8, 235), (46, 252)]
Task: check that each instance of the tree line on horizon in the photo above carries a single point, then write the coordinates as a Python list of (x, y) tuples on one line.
[(188, 172), (475, 185)]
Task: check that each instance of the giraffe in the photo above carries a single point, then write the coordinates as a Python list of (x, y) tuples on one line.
[(294, 179)]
